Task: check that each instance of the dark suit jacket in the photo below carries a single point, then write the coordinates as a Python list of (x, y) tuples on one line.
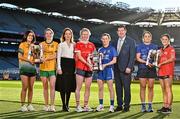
[(126, 57)]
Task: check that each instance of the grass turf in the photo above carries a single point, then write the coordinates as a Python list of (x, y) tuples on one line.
[(10, 96)]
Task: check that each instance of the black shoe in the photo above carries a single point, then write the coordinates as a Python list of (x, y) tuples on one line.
[(166, 111), (126, 109), (65, 108), (118, 108), (160, 110)]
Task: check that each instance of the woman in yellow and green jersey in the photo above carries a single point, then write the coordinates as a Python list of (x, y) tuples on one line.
[(27, 69), (48, 68)]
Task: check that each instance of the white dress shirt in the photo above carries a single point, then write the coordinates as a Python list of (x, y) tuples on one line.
[(120, 44), (66, 51)]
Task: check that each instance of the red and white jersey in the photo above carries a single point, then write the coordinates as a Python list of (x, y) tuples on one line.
[(85, 50), (167, 69)]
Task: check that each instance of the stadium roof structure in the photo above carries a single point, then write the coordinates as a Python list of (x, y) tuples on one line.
[(81, 8), (84, 9), (164, 18), (105, 12)]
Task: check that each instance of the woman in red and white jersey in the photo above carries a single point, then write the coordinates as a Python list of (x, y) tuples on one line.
[(83, 49), (166, 72)]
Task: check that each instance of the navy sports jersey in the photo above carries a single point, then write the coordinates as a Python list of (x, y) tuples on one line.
[(143, 49), (108, 54)]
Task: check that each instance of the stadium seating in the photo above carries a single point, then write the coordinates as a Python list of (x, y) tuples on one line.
[(19, 21)]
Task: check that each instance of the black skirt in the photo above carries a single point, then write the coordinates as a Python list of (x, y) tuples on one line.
[(66, 82)]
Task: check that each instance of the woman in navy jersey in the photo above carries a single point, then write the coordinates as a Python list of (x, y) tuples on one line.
[(146, 73), (107, 74)]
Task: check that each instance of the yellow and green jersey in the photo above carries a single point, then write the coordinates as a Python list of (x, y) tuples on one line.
[(49, 49), (24, 66)]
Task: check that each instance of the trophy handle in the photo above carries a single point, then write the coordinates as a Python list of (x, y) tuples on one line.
[(29, 52), (41, 51), (157, 58), (100, 61), (148, 58)]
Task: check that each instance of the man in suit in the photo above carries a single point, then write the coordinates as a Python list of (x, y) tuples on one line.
[(125, 47)]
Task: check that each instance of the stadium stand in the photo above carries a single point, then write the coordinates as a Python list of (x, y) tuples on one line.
[(14, 22)]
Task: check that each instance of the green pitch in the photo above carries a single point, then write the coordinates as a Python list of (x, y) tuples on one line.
[(10, 96)]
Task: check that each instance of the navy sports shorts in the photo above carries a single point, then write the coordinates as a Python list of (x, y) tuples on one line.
[(147, 73)]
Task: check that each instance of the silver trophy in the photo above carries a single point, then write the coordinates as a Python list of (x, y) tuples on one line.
[(96, 60), (153, 57), (37, 53)]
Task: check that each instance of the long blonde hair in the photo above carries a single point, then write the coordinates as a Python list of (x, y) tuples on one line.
[(49, 29), (84, 30)]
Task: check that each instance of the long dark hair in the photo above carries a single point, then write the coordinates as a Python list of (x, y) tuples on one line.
[(26, 35)]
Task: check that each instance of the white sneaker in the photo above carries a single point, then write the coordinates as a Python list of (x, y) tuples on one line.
[(79, 109), (30, 108), (46, 108), (100, 108), (23, 108), (111, 109), (52, 108), (87, 109)]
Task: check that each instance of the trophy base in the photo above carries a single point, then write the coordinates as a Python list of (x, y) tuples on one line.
[(37, 61), (97, 69)]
